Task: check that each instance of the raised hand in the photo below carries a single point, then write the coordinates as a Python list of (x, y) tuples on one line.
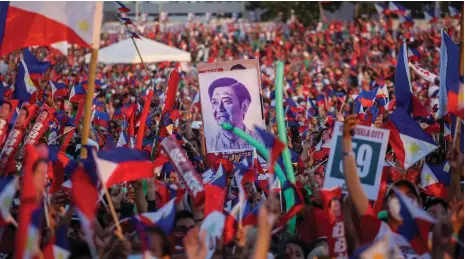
[(195, 246), (454, 157), (349, 125)]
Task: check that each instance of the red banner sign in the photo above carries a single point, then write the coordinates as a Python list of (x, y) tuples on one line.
[(332, 203), (7, 161), (3, 131), (38, 130), (184, 169)]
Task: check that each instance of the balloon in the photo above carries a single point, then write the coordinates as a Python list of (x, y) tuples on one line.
[(282, 133), (256, 144)]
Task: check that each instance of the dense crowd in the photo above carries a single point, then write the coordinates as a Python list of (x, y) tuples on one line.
[(325, 64)]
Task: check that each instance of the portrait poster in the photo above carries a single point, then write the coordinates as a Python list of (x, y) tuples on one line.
[(230, 92)]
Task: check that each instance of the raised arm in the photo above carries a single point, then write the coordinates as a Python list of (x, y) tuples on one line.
[(356, 192), (268, 214), (455, 159)]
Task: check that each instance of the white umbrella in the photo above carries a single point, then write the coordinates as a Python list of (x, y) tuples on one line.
[(124, 52)]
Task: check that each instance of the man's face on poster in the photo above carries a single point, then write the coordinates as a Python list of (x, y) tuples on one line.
[(227, 107), (21, 118), (335, 208), (4, 111)]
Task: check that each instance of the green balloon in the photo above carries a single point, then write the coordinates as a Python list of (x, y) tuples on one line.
[(288, 194), (282, 133), (257, 145)]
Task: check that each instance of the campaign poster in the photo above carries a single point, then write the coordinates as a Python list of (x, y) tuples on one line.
[(230, 92), (369, 145)]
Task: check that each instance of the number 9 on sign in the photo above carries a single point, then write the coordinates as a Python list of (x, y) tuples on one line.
[(363, 156)]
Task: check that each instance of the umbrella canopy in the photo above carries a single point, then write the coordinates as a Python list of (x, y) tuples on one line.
[(124, 52)]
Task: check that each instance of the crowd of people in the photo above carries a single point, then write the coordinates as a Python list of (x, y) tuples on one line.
[(326, 63)]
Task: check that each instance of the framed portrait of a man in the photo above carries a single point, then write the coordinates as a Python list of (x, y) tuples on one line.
[(230, 92)]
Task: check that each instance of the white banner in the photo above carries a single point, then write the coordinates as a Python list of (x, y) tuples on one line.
[(425, 74), (369, 145)]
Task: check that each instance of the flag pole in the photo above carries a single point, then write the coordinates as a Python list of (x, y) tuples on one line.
[(457, 119), (89, 100)]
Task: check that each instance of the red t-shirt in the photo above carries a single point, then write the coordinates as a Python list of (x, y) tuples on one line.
[(315, 225)]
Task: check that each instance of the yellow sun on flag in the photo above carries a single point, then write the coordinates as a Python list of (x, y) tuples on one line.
[(7, 202), (29, 81), (83, 26), (429, 178), (414, 148)]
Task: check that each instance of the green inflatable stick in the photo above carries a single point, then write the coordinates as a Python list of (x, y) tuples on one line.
[(282, 133), (257, 145), (288, 194)]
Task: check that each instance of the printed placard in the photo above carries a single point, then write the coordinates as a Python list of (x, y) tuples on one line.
[(230, 92), (184, 169), (369, 145)]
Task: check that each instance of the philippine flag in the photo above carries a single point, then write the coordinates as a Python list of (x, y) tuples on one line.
[(58, 247), (85, 196), (167, 192), (196, 102), (406, 21), (24, 24), (367, 99), (7, 192), (416, 224), (121, 7), (396, 8), (274, 145), (32, 249), (124, 164), (59, 90), (295, 108), (382, 96), (102, 119), (123, 140), (125, 21), (403, 87), (298, 204), (380, 248), (381, 8), (430, 17), (436, 180), (216, 192), (78, 93), (25, 90), (413, 55), (408, 140), (36, 67), (162, 218), (450, 90), (55, 155), (454, 12)]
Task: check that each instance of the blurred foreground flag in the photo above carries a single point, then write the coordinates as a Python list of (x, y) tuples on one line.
[(24, 24)]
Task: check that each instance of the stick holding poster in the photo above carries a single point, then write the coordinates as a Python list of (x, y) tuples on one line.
[(369, 145)]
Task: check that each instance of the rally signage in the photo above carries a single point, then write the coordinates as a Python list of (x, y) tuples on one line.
[(425, 74), (38, 130), (369, 145), (184, 169), (3, 130), (7, 162)]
